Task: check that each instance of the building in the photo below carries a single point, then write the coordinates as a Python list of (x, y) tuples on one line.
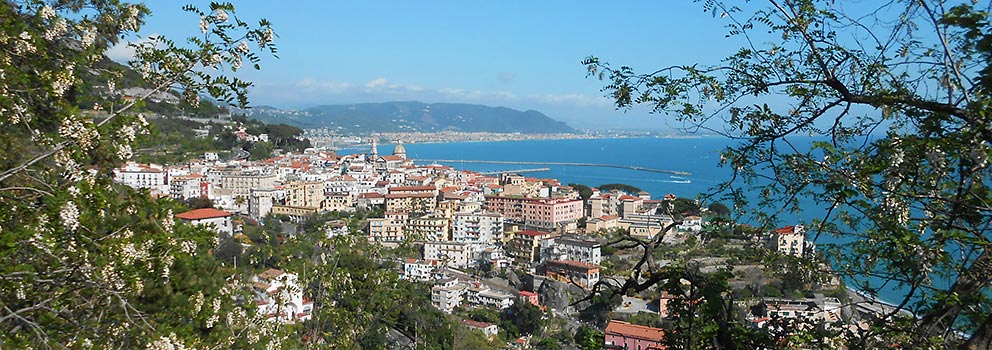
[(477, 227), (279, 297), (491, 298), (571, 271), (241, 183), (448, 294), (528, 297), (791, 240), (574, 248), (304, 194), (647, 226), (143, 176), (429, 228), (217, 220), (548, 214), (450, 253), (525, 248), (389, 228), (189, 186), (623, 335), (260, 203), (488, 329), (337, 202), (411, 202), (417, 270)]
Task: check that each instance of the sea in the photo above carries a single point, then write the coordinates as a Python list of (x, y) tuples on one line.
[(697, 157)]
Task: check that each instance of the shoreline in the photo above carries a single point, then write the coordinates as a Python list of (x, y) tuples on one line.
[(596, 137)]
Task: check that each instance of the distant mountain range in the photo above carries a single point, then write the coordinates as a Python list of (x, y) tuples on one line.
[(412, 117)]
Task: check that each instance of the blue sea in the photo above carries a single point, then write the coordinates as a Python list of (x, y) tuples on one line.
[(699, 156)]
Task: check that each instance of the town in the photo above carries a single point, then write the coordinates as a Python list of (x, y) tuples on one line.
[(492, 241)]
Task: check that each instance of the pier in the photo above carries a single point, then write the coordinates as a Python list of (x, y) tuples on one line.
[(517, 171), (631, 167)]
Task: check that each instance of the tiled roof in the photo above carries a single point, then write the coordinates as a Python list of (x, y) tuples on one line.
[(203, 213), (270, 274), (634, 331), (786, 230), (476, 324)]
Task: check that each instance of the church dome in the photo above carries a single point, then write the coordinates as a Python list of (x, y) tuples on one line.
[(399, 150)]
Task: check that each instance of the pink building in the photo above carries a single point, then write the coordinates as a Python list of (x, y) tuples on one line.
[(541, 213), (623, 335), (529, 297)]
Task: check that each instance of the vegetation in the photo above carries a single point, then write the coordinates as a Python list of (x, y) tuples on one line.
[(84, 262), (895, 97), (622, 187), (584, 191)]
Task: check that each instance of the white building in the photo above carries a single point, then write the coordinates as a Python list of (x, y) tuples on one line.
[(791, 240), (448, 294), (450, 254), (416, 270), (478, 227), (148, 176), (574, 248), (491, 298), (280, 298), (217, 220)]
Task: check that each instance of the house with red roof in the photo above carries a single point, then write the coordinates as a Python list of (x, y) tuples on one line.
[(214, 219), (489, 329), (624, 335)]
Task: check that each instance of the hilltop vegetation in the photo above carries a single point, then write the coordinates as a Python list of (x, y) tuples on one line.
[(415, 116)]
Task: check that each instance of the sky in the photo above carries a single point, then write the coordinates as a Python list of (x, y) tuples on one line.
[(519, 54)]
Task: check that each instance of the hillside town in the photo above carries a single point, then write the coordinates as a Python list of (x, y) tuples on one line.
[(548, 244)]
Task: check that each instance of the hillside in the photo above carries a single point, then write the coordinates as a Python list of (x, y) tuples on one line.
[(414, 116)]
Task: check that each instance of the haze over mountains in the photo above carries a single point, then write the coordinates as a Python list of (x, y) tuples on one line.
[(413, 116)]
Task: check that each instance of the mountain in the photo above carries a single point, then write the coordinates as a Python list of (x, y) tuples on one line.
[(414, 116)]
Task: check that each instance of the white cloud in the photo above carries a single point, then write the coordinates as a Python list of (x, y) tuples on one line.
[(376, 83), (123, 51)]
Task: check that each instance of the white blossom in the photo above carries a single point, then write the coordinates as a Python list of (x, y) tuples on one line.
[(167, 343), (243, 47), (56, 29), (220, 15), (46, 12), (63, 81), (70, 216), (24, 45), (88, 37), (204, 25), (188, 247), (168, 222)]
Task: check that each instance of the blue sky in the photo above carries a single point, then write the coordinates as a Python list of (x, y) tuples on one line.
[(518, 54)]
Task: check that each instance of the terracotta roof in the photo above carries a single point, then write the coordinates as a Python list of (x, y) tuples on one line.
[(630, 198), (476, 324), (410, 195), (271, 273), (533, 233), (786, 230), (634, 331), (370, 195), (203, 213), (527, 294), (609, 217), (412, 188)]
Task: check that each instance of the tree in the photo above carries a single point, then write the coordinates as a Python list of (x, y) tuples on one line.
[(878, 114), (719, 209), (83, 261), (524, 317), (588, 338), (584, 191)]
